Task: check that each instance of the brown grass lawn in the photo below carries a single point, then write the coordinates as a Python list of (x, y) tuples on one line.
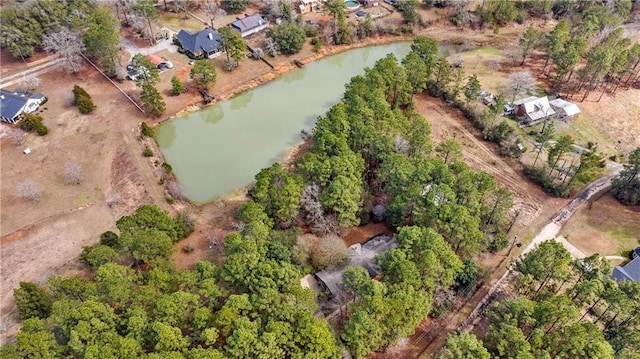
[(607, 227)]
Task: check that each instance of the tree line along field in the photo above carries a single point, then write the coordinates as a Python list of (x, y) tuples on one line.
[(372, 148), (264, 261), (252, 304)]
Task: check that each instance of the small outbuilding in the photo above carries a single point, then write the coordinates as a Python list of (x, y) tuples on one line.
[(564, 109), (487, 98), (161, 63), (306, 6), (15, 103), (250, 24)]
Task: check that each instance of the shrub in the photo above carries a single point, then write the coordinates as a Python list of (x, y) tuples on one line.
[(33, 301), (168, 169), (185, 225), (98, 255), (32, 122), (147, 131), (110, 239), (82, 99), (176, 86), (147, 152), (289, 36), (317, 44), (329, 252), (188, 248), (310, 31)]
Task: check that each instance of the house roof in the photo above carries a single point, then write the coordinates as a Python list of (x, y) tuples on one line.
[(537, 108), (361, 255), (306, 2), (249, 22), (155, 59), (629, 272), (567, 107), (206, 40), (524, 100), (12, 103)]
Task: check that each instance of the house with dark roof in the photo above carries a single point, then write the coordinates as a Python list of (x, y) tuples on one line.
[(13, 104), (206, 43), (250, 24), (361, 255), (631, 271)]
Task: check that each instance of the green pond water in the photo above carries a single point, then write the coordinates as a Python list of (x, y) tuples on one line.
[(221, 148)]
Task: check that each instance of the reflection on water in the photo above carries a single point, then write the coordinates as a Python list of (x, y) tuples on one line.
[(241, 101), (294, 76), (211, 116), (221, 148), (168, 134)]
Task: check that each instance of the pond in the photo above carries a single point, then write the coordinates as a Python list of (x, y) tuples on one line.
[(221, 148)]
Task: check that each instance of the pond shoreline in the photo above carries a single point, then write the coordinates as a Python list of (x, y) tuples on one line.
[(281, 69), (290, 154)]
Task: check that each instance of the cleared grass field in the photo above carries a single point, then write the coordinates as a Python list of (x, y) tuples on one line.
[(607, 227)]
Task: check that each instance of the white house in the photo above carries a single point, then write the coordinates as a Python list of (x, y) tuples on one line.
[(564, 109), (532, 110), (13, 104)]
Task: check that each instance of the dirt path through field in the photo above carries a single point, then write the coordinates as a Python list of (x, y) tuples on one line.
[(447, 122)]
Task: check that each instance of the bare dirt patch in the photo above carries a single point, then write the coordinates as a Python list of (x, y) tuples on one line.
[(39, 238)]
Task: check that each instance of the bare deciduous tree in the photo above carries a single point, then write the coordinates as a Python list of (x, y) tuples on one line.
[(31, 82), (400, 145), (28, 189), (18, 136), (213, 10), (68, 45), (330, 251), (272, 47), (318, 222), (520, 83), (113, 197), (73, 173), (121, 72)]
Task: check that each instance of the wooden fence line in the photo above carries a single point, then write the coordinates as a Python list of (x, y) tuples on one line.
[(114, 84)]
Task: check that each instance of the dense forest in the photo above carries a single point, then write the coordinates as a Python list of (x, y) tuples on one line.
[(559, 308), (369, 149)]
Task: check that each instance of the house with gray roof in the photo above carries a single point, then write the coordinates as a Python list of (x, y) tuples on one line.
[(361, 255), (631, 271), (250, 24), (15, 103), (204, 44)]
